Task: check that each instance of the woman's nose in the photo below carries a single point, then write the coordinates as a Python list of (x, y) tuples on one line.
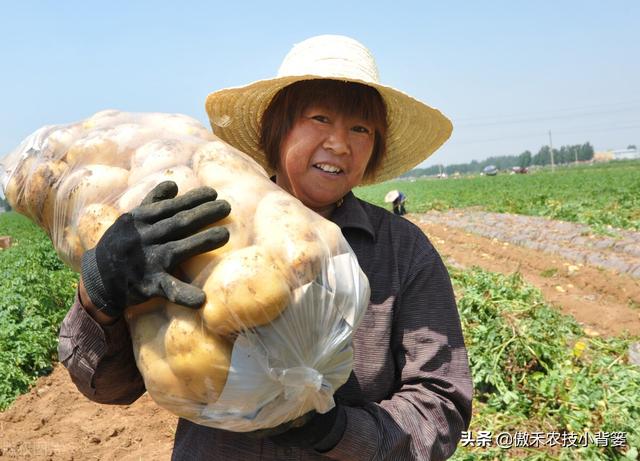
[(337, 140)]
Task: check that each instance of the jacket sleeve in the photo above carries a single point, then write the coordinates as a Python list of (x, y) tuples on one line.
[(431, 406), (99, 358)]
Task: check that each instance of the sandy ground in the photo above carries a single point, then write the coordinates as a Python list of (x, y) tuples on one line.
[(55, 422)]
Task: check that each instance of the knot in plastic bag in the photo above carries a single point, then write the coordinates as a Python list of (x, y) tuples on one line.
[(297, 380)]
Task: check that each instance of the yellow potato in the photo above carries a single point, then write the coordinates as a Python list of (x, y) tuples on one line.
[(40, 191), (95, 149), (289, 233), (154, 305), (245, 289), (148, 333), (69, 246), (93, 221), (243, 194), (183, 176), (14, 191), (330, 236), (159, 155), (148, 328), (130, 136), (217, 165), (90, 184), (198, 358), (198, 268), (59, 141)]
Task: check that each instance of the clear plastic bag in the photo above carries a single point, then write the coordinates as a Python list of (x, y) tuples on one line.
[(284, 295)]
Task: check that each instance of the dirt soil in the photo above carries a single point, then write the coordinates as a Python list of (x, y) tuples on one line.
[(594, 278)]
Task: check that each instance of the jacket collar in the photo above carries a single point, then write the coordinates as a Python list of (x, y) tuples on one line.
[(351, 214)]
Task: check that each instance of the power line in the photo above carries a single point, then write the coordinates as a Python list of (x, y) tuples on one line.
[(542, 133), (544, 119), (548, 113)]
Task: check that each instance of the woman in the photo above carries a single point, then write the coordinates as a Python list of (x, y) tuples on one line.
[(322, 127)]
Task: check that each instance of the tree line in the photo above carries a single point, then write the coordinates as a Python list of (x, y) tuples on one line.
[(566, 154)]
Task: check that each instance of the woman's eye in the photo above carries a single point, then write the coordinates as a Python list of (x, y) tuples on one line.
[(320, 118), (361, 129)]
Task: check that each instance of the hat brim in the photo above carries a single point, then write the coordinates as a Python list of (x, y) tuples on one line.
[(391, 196), (415, 130)]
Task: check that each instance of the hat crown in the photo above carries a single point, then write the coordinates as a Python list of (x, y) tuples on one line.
[(330, 56)]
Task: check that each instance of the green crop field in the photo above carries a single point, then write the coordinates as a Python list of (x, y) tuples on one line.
[(36, 290), (534, 370), (600, 195)]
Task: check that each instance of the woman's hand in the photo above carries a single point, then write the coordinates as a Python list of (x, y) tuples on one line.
[(133, 260), (310, 430), (315, 433)]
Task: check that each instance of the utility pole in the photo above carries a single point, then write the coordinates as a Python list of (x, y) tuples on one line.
[(553, 166)]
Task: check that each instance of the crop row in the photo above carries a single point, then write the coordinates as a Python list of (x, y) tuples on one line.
[(36, 290), (533, 368), (535, 371), (598, 195)]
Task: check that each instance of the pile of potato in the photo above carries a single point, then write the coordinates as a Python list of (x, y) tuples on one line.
[(75, 180)]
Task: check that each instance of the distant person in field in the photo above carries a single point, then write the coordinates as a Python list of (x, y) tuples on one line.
[(397, 200), (398, 204)]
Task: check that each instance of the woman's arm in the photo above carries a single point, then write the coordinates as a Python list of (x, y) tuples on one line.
[(98, 354)]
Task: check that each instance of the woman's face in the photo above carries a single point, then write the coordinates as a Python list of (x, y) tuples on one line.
[(324, 156)]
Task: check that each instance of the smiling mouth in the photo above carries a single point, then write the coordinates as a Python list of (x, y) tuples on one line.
[(326, 168)]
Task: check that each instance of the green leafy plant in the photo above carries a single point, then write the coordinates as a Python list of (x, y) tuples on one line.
[(603, 196), (36, 290), (534, 370)]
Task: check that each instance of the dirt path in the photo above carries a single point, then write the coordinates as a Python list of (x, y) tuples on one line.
[(55, 422), (590, 277)]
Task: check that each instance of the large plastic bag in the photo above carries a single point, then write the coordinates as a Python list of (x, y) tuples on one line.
[(284, 295)]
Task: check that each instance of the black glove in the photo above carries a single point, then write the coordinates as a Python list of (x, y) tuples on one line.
[(308, 430), (311, 434), (133, 260)]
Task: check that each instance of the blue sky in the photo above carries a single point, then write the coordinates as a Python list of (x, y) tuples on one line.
[(505, 72)]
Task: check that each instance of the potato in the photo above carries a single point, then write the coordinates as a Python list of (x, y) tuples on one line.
[(130, 136), (330, 236), (93, 221), (148, 333), (158, 155), (90, 184), (200, 359), (217, 164), (14, 190), (59, 141), (69, 245), (183, 176), (155, 305), (245, 289), (40, 191), (296, 246), (198, 268), (95, 149)]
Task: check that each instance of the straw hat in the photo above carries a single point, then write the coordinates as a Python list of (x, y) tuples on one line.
[(391, 196), (415, 130)]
